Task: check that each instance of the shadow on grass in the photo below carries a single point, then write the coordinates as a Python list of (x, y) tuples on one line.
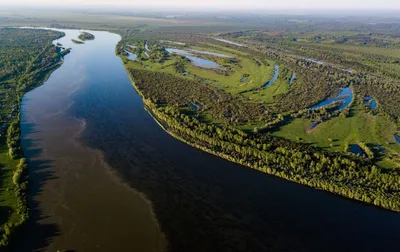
[(5, 213)]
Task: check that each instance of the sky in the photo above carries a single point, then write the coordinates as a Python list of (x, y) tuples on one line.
[(228, 4)]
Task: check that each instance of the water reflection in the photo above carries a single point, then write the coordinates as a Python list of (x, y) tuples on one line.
[(204, 63), (77, 201), (345, 97)]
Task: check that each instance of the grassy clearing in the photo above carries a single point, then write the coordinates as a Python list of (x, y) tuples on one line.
[(268, 94), (338, 132)]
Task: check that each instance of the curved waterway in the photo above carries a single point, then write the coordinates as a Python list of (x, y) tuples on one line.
[(88, 110), (345, 96), (77, 202)]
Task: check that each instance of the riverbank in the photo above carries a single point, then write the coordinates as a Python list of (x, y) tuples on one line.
[(300, 163), (15, 168), (76, 197)]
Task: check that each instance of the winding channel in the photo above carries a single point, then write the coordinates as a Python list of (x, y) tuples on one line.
[(92, 148)]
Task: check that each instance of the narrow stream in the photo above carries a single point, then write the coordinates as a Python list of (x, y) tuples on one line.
[(273, 79)]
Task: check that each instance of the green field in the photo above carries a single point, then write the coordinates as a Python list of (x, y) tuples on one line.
[(337, 132)]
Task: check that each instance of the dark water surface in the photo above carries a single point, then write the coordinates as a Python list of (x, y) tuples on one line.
[(356, 149), (77, 202), (203, 203)]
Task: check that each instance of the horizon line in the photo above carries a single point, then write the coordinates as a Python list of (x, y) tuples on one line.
[(196, 7)]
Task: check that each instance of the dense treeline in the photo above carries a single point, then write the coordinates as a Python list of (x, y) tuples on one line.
[(13, 140), (178, 92), (19, 46), (20, 183), (356, 179), (86, 36), (27, 56)]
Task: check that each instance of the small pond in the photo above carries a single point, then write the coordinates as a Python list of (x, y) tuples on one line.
[(380, 148), (356, 149), (271, 81), (131, 56), (368, 100), (204, 63), (195, 106), (345, 95)]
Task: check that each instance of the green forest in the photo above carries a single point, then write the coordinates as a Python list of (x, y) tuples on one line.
[(86, 36), (256, 107)]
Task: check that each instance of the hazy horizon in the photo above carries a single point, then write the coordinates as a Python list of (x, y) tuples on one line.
[(219, 5)]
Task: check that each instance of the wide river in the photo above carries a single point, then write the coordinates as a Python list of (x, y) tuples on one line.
[(105, 177)]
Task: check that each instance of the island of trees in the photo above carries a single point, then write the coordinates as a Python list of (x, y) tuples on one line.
[(77, 41), (86, 36)]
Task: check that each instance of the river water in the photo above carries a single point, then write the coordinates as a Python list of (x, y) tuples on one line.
[(77, 202), (92, 147)]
